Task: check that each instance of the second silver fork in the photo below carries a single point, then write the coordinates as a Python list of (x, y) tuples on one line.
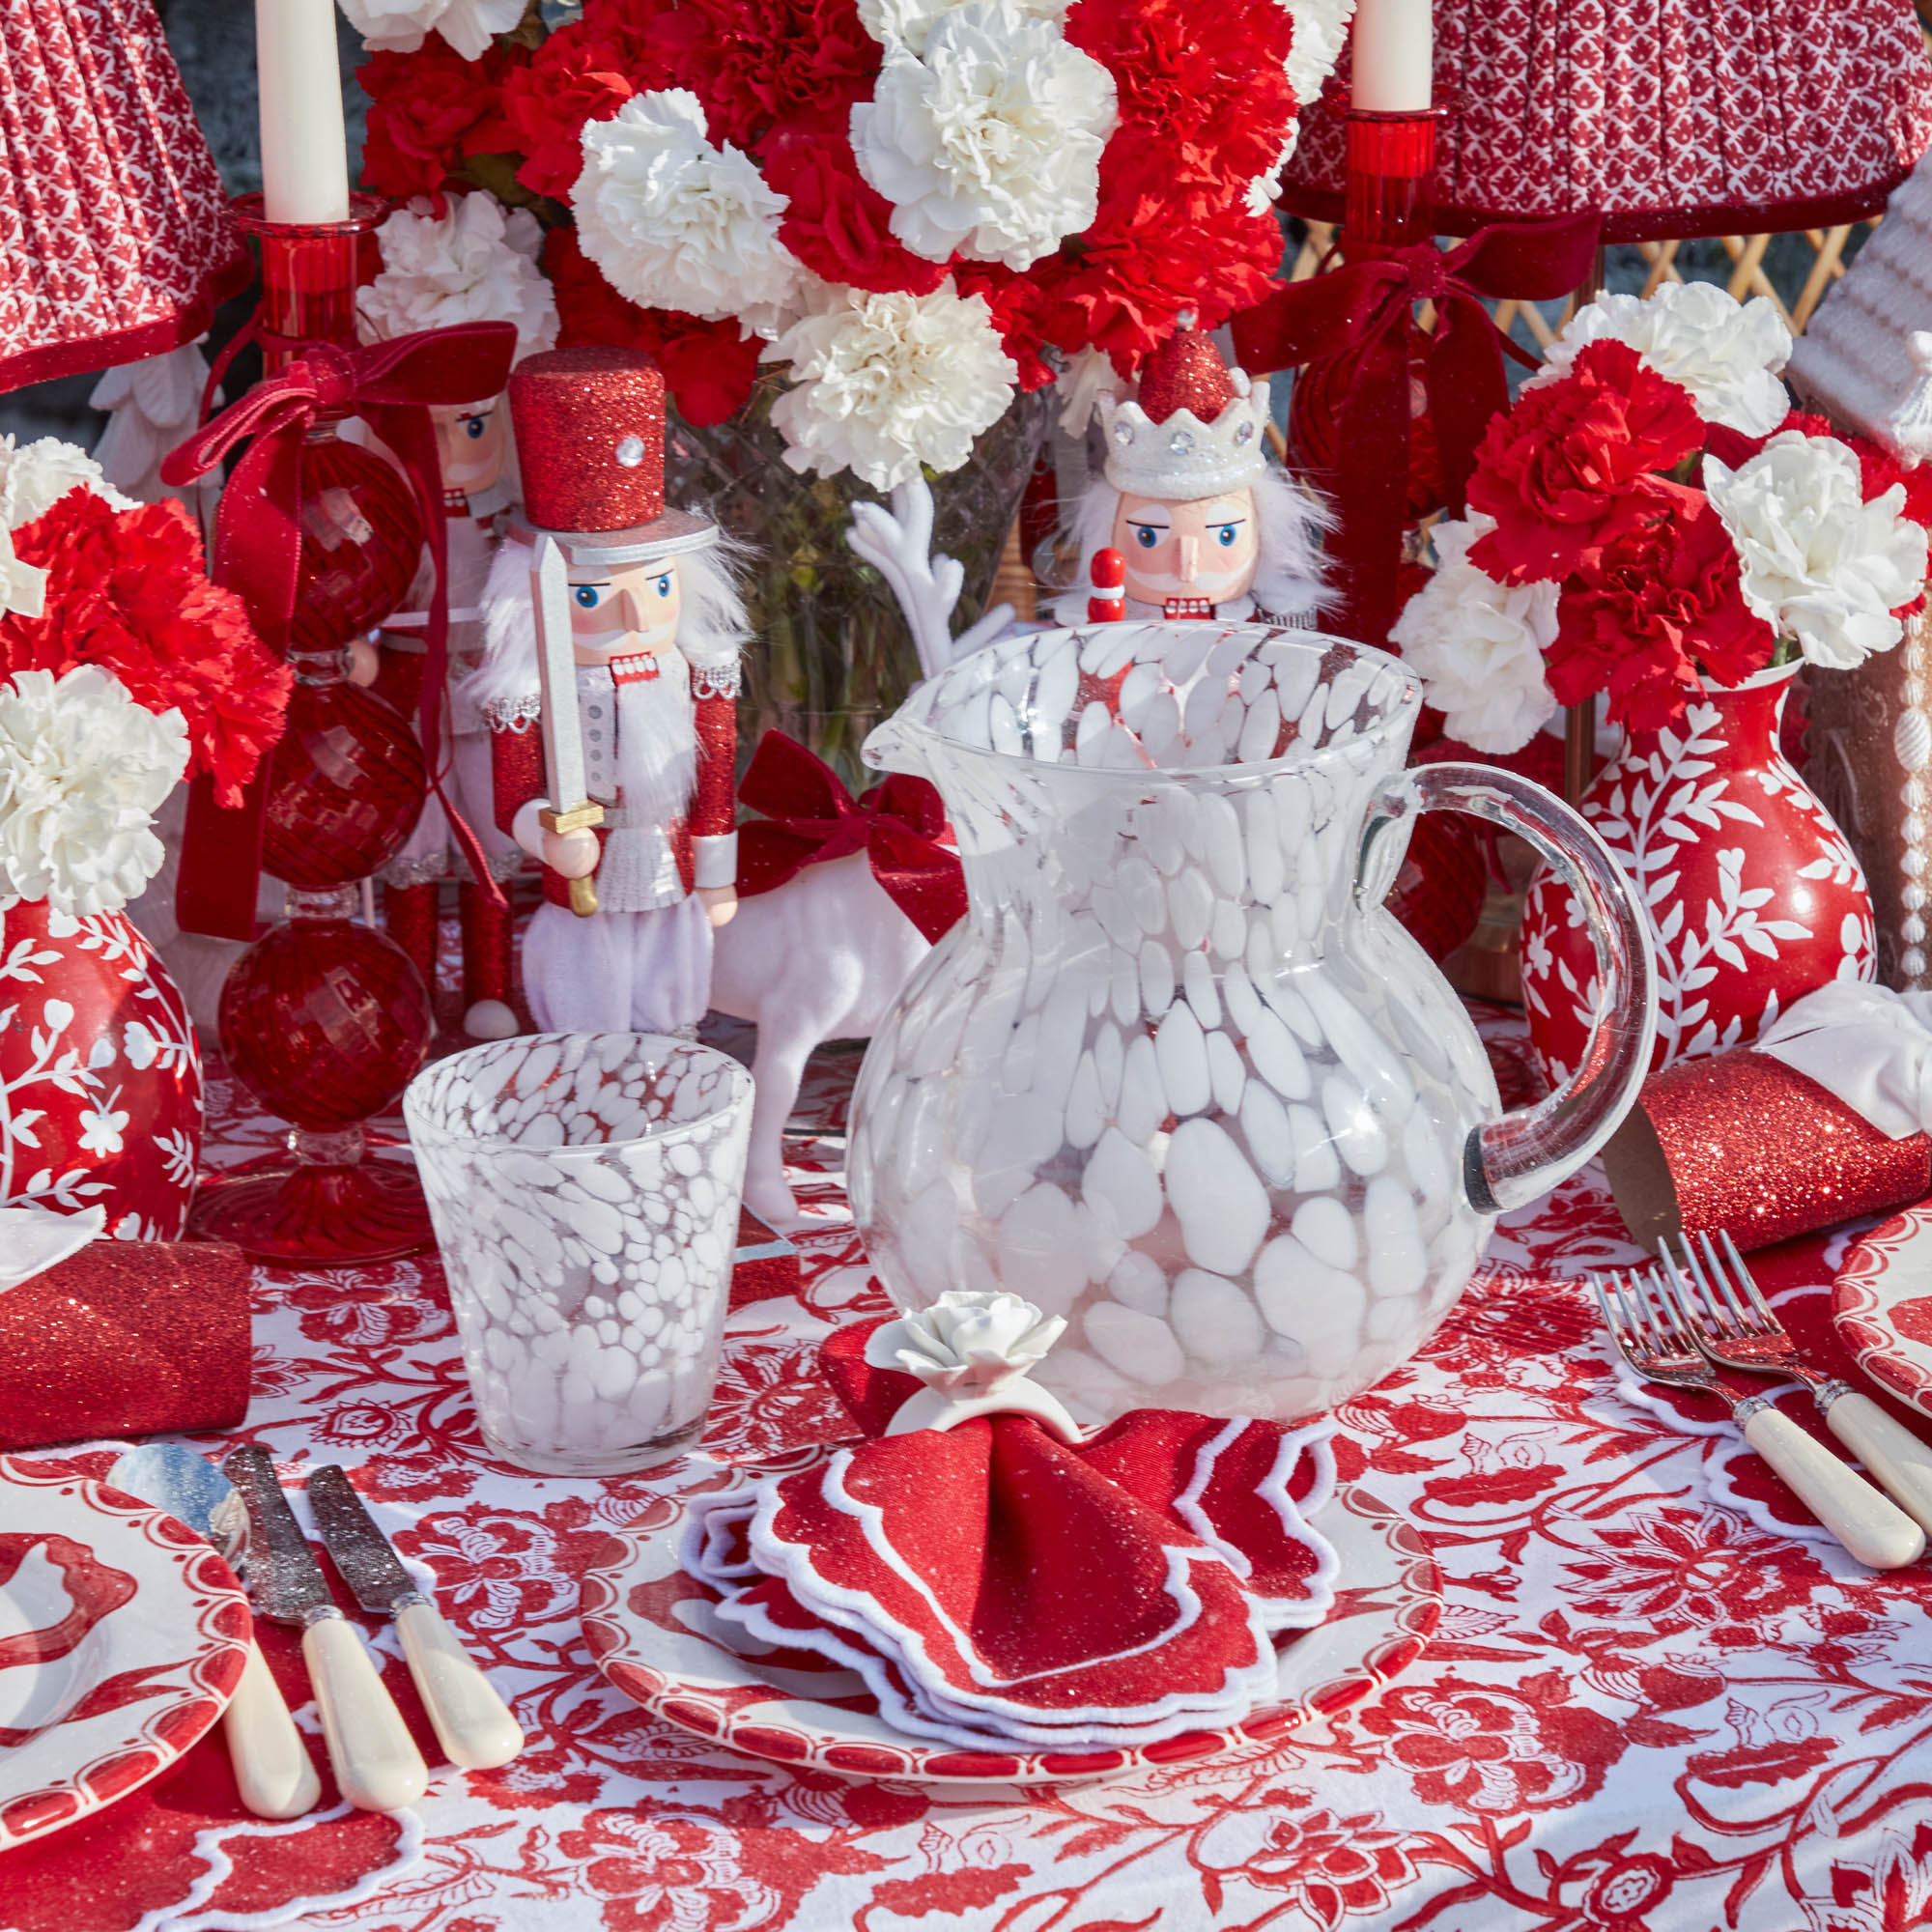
[(1733, 1324)]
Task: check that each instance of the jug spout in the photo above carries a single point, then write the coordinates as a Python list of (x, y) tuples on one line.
[(893, 747)]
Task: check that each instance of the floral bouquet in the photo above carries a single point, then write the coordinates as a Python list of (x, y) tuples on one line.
[(905, 208), (1651, 519), (121, 670)]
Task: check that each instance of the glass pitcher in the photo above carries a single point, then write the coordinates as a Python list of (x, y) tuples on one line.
[(1177, 1075)]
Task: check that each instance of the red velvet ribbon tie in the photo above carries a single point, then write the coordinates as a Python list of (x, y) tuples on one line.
[(390, 386), (810, 818), (1362, 310)]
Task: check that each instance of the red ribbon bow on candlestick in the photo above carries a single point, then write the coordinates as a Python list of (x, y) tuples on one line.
[(258, 552), (810, 816), (1362, 310)]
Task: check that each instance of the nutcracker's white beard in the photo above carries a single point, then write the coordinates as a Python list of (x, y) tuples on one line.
[(657, 744)]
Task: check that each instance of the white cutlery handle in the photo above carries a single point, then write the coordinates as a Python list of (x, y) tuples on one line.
[(271, 1766), (1875, 1531), (1900, 1462), (378, 1767), (472, 1723)]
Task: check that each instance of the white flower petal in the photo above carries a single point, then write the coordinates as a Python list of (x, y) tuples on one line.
[(476, 263)]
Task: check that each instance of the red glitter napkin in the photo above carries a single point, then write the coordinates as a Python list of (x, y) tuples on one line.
[(991, 1581), (125, 1338)]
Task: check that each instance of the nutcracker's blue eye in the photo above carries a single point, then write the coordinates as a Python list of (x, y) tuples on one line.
[(664, 585), (1146, 535), (588, 595), (474, 425), (1227, 535)]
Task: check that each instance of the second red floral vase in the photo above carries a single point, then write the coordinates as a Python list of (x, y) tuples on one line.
[(1753, 894), (100, 1073)]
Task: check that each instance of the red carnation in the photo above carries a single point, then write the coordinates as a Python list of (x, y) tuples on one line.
[(1204, 98), (1572, 466), (755, 62), (1651, 610), (710, 366), (1124, 284), (126, 591), (576, 76), (428, 112), (836, 223)]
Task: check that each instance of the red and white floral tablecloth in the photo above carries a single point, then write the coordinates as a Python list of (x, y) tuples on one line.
[(1641, 1709)]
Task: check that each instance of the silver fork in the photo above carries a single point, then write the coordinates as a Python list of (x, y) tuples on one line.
[(1732, 1324), (1654, 1338)]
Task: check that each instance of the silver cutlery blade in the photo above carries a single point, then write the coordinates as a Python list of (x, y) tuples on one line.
[(284, 1579), (175, 1479), (369, 1566)]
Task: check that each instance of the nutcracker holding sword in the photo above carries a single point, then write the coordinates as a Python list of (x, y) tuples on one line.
[(610, 678)]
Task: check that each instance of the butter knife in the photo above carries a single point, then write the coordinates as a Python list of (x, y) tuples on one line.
[(272, 1770), (472, 1723), (378, 1767)]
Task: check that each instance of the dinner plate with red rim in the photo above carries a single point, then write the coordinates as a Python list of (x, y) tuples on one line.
[(122, 1638), (1882, 1305), (652, 1634)]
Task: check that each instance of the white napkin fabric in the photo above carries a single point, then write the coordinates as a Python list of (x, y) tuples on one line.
[(1866, 1045)]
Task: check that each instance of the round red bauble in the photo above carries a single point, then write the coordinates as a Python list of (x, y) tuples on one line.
[(362, 542), (325, 1022), (345, 783)]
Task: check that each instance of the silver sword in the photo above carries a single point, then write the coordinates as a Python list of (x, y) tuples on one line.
[(571, 808)]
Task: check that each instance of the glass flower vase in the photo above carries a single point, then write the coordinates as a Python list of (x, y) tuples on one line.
[(832, 656)]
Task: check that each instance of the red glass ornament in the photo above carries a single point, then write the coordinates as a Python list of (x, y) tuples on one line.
[(325, 1022), (361, 541), (345, 783)]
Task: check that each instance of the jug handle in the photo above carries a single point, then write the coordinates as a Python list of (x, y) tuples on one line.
[(1508, 1162)]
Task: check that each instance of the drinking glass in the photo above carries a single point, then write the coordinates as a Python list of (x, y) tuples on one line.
[(584, 1188)]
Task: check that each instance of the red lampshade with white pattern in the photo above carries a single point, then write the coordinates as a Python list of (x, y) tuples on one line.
[(1671, 117), (116, 240)]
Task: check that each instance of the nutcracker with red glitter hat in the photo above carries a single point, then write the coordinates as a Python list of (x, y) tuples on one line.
[(611, 635), (1208, 525), (472, 261)]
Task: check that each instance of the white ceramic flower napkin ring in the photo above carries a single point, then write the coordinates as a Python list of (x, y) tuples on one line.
[(973, 1351)]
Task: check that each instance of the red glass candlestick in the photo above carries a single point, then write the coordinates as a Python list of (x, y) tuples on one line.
[(326, 1021)]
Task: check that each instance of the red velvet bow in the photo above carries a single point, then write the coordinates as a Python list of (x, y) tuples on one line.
[(1363, 310), (258, 551), (810, 816)]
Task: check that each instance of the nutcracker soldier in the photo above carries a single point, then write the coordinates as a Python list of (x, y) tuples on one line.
[(1208, 525), (475, 262), (610, 680)]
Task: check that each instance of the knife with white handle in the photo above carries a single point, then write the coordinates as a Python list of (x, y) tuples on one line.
[(378, 1767), (472, 1723)]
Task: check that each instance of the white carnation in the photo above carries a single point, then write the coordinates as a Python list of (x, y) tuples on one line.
[(1726, 352), (1477, 645), (1321, 29), (988, 144), (908, 22), (399, 26), (32, 481), (476, 263), (677, 223), (1821, 565), (886, 382), (83, 769)]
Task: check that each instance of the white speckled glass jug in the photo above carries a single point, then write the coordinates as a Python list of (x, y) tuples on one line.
[(1177, 1075)]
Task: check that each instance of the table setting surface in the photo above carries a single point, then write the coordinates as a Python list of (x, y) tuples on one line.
[(1659, 1698)]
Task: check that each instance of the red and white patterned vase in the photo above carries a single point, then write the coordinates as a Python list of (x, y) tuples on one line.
[(1754, 896), (100, 1073)]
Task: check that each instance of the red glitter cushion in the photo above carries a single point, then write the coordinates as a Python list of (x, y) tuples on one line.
[(1743, 1142), (125, 1338)]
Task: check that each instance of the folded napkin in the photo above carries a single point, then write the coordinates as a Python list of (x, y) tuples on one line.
[(994, 1578), (116, 1338)]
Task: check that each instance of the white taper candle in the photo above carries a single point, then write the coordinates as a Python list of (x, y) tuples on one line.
[(304, 158), (1394, 47)]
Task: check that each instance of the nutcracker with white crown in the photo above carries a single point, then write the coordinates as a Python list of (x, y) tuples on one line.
[(612, 637), (474, 262), (1207, 525)]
